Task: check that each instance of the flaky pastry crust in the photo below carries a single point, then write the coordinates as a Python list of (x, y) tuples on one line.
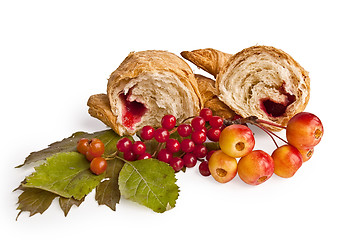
[(157, 82), (260, 81)]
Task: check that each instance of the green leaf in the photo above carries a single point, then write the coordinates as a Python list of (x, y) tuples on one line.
[(108, 137), (67, 203), (34, 200), (212, 146), (107, 192), (65, 174), (149, 182)]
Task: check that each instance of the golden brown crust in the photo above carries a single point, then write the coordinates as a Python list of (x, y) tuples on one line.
[(99, 108), (144, 67), (281, 66), (210, 100), (277, 54), (137, 63), (209, 59)]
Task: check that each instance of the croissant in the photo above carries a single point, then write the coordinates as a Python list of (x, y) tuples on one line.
[(146, 86), (259, 81), (207, 88)]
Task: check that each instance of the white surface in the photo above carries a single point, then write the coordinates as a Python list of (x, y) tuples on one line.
[(53, 56)]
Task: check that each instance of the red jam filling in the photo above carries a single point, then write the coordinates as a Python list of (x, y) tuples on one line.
[(277, 109), (132, 111)]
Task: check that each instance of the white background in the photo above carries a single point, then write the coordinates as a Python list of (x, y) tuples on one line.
[(55, 54)]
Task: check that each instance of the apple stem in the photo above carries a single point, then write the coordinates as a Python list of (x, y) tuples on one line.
[(271, 133), (269, 123), (259, 123), (268, 132)]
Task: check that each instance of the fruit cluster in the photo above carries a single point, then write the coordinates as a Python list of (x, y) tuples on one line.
[(304, 131), (181, 146), (93, 150), (181, 151)]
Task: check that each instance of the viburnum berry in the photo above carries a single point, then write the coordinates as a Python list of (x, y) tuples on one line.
[(173, 145), (189, 160), (213, 134), (184, 130), (216, 122), (176, 163), (198, 123), (161, 135), (187, 145), (98, 165), (129, 155), (199, 137), (138, 147), (147, 132), (168, 122), (89, 156), (204, 169), (165, 155), (206, 114), (200, 151), (144, 156), (83, 145), (124, 145), (209, 154), (96, 147)]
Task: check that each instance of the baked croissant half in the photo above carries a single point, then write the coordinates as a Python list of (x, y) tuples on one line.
[(259, 81), (146, 86)]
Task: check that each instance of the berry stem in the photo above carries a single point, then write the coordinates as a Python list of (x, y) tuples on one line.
[(159, 147)]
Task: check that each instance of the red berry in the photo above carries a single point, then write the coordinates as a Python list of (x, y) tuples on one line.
[(199, 137), (98, 165), (144, 156), (89, 156), (213, 134), (209, 154), (161, 135), (173, 145), (96, 147), (216, 122), (184, 130), (189, 160), (204, 169), (164, 155), (176, 163), (129, 156), (198, 123), (83, 145), (200, 151), (204, 130), (124, 145), (168, 122), (187, 145), (138, 148), (147, 132), (206, 113)]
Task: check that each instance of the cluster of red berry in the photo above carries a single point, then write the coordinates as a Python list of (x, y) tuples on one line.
[(93, 150), (304, 131), (181, 152)]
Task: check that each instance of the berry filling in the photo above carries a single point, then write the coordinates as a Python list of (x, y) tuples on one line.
[(277, 109), (132, 111)]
